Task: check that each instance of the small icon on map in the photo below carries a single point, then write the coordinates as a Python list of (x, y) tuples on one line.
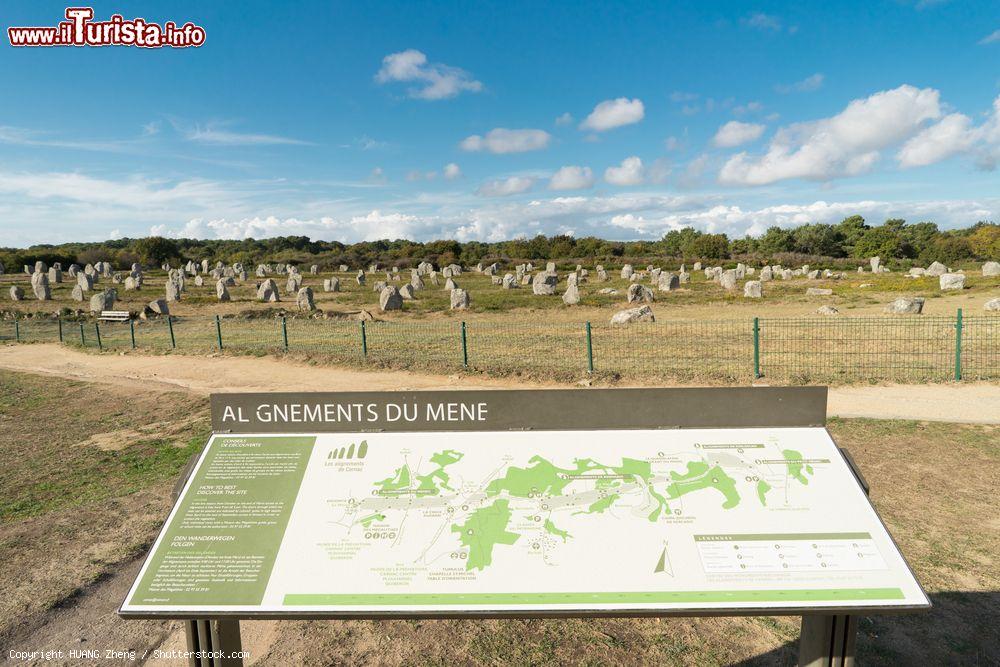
[(349, 452)]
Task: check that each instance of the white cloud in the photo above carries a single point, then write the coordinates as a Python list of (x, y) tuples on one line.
[(452, 171), (212, 134), (762, 21), (735, 133), (682, 96), (436, 81), (572, 178), (671, 143), (503, 187), (749, 107), (502, 140), (610, 114), (808, 84), (991, 38), (564, 119), (630, 172), (945, 138), (952, 135), (151, 128), (846, 144)]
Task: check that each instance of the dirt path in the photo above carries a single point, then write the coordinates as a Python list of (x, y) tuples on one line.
[(968, 403)]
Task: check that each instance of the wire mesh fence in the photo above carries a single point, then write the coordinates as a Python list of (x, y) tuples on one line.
[(785, 350)]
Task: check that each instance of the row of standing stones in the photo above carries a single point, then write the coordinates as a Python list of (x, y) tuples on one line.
[(391, 297)]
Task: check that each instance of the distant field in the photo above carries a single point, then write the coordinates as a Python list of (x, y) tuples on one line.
[(700, 298), (85, 473)]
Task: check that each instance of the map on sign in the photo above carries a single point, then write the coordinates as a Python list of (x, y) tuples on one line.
[(522, 521)]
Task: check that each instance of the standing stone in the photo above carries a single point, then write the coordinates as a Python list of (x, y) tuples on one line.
[(992, 305), (77, 293), (407, 292), (102, 301), (571, 296), (949, 281), (827, 310), (544, 284), (379, 286), (304, 299), (390, 299), (131, 284), (199, 281), (416, 282), (41, 267), (639, 293), (936, 269), (818, 291), (450, 285), (510, 282), (158, 307), (459, 299), (55, 275), (331, 285), (640, 314), (813, 275), (173, 291), (16, 293), (261, 271), (668, 282), (906, 305), (766, 274), (875, 262), (627, 272), (752, 289), (360, 278), (314, 269), (268, 291), (728, 279), (40, 287), (989, 268), (222, 291), (344, 268)]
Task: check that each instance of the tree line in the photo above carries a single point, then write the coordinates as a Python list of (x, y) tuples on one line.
[(850, 241)]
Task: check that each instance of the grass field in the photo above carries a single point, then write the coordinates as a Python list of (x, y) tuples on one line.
[(857, 294), (85, 474)]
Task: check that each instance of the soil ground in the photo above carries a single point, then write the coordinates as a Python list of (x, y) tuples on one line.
[(953, 402), (90, 446)]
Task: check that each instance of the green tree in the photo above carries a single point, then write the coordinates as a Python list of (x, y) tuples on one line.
[(155, 250), (881, 242), (776, 240)]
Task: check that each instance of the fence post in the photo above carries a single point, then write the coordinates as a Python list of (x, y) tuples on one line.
[(284, 331), (218, 330), (756, 348), (97, 330), (364, 340), (131, 331), (83, 339), (590, 351), (465, 348), (170, 327), (59, 319), (958, 345), (17, 332)]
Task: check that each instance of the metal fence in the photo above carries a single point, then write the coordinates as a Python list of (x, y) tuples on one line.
[(787, 350)]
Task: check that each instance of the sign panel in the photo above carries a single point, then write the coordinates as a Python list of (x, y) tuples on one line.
[(666, 521)]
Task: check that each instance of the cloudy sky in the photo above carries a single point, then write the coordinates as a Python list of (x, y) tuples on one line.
[(352, 121)]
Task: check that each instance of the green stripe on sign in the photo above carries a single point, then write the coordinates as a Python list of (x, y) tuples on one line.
[(583, 599)]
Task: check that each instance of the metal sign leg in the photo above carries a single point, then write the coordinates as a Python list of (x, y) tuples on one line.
[(212, 643), (828, 641)]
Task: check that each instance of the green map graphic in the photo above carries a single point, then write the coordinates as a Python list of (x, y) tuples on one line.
[(534, 500)]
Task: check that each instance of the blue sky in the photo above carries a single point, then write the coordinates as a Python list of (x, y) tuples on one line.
[(488, 121)]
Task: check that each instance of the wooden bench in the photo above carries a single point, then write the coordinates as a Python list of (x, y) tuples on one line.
[(114, 316)]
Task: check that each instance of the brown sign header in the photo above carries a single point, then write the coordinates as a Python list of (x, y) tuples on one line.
[(540, 409)]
